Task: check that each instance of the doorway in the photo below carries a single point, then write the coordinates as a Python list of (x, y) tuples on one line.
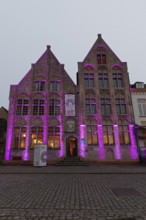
[(71, 147)]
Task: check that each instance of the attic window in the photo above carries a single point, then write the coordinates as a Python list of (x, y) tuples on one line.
[(39, 86)]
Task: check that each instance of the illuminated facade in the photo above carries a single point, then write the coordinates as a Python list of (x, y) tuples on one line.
[(93, 119)]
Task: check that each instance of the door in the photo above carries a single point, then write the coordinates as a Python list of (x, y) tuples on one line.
[(71, 147)]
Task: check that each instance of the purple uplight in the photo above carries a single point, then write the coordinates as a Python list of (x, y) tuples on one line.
[(133, 147), (82, 140), (89, 65), (117, 65), (117, 143), (101, 149)]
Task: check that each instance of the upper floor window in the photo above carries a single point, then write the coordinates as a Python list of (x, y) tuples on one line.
[(101, 58), (36, 135), (38, 107), (54, 107), (55, 86), (117, 80), (120, 106), (39, 86), (19, 138), (90, 106), (103, 80), (89, 80), (22, 107), (140, 85), (105, 106), (142, 107)]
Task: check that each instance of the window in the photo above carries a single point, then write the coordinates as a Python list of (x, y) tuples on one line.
[(142, 107), (120, 106), (39, 86), (90, 106), (140, 85), (92, 135), (36, 136), (54, 86), (22, 107), (54, 108), (38, 107), (124, 134), (89, 80), (19, 140), (108, 134), (103, 80), (117, 80), (105, 106), (101, 58), (54, 137)]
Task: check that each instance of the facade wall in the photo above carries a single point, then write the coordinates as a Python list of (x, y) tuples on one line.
[(46, 107)]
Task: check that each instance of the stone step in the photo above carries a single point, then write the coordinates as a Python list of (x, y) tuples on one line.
[(72, 161)]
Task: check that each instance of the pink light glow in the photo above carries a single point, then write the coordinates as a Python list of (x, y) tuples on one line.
[(89, 65), (133, 147), (117, 143), (82, 140), (101, 150), (117, 65)]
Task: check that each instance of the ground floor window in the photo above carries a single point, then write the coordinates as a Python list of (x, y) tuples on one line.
[(54, 137), (36, 136), (124, 134), (108, 135), (92, 135), (19, 138)]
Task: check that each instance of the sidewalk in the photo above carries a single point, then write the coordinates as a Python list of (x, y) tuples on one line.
[(91, 169)]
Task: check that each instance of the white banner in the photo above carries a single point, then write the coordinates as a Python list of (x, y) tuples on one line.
[(70, 105)]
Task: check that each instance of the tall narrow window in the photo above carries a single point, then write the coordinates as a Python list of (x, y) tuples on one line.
[(101, 58), (142, 107), (90, 106), (108, 134), (117, 80), (124, 134), (121, 106), (55, 86), (105, 106), (39, 86), (38, 107), (54, 137), (19, 140), (89, 80), (22, 107), (103, 80), (36, 136), (54, 107), (92, 137)]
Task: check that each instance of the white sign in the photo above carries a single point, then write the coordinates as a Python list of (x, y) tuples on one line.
[(40, 153), (70, 105)]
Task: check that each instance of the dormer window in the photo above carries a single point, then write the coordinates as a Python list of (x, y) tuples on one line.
[(140, 85)]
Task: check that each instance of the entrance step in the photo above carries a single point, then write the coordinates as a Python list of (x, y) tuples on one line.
[(72, 161)]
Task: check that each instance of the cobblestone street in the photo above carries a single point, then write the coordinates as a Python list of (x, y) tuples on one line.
[(72, 196)]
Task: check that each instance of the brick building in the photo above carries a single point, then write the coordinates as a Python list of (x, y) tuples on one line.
[(3, 129), (93, 119)]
